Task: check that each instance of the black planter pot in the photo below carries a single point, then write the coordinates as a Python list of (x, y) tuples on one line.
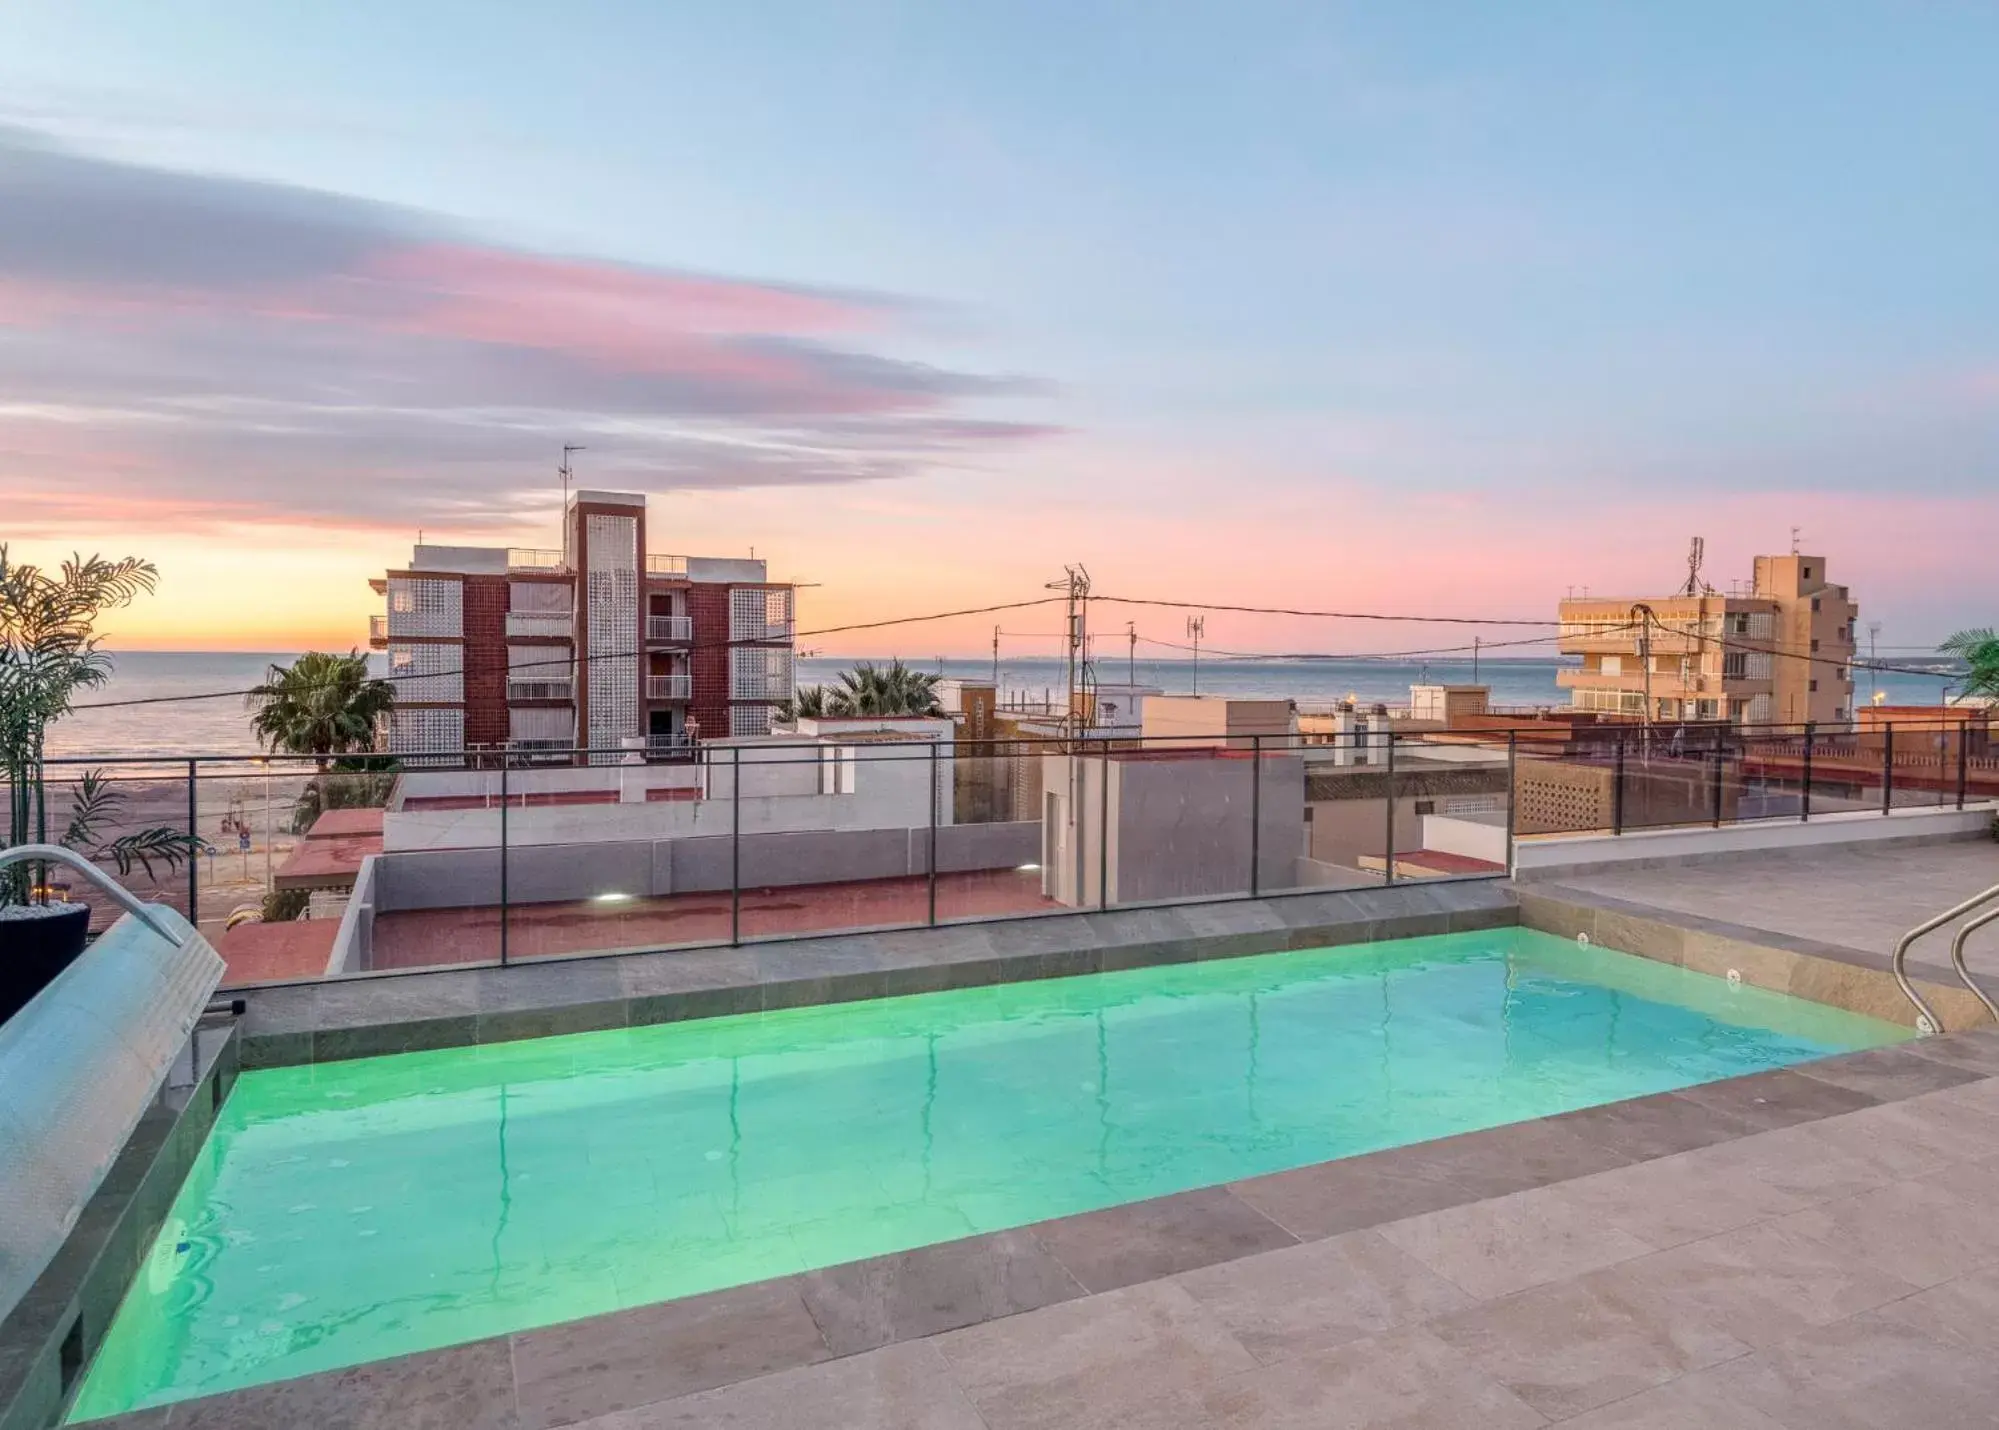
[(35, 948)]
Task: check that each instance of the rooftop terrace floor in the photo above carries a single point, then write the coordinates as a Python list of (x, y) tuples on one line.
[(1862, 897)]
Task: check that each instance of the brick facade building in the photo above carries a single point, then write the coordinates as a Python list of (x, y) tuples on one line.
[(596, 645)]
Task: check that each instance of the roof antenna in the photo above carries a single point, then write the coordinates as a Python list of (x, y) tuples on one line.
[(1794, 540), (1694, 554)]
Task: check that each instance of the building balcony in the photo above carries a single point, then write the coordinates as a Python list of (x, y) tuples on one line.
[(669, 687), (760, 631), (669, 742), (525, 559), (562, 688), (672, 567), (541, 623), (378, 632), (669, 630)]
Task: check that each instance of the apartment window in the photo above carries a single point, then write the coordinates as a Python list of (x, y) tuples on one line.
[(1815, 646), (1815, 685), (1734, 665), (421, 606), (1808, 576), (427, 671), (1426, 806), (419, 729), (1707, 710), (1815, 603)]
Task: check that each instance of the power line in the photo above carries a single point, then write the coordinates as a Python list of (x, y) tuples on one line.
[(579, 658), (1321, 615)]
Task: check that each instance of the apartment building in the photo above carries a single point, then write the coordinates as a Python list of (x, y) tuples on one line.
[(598, 644), (1776, 651)]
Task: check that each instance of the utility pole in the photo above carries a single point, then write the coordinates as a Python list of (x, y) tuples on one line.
[(1642, 614), (1131, 654), (1474, 660), (1075, 584), (1196, 627), (1873, 669)]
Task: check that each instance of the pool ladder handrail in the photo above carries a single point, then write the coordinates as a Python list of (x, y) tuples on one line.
[(1927, 1019)]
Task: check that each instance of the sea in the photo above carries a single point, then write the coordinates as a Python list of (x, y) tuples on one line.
[(160, 704)]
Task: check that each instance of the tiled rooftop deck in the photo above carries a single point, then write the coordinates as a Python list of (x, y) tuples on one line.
[(1860, 898)]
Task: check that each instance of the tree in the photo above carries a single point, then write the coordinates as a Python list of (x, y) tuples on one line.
[(867, 689), (1978, 649), (50, 651), (321, 704), (893, 689)]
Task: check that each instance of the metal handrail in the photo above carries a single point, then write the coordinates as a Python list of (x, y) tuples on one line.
[(1927, 1018), (1957, 959), (120, 895)]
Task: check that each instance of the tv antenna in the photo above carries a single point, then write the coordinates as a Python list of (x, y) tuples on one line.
[(1197, 626), (1796, 532), (564, 472)]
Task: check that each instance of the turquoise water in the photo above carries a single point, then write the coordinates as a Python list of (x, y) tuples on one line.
[(358, 1210)]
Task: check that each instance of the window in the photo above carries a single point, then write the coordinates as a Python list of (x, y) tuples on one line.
[(1815, 645), (1808, 576), (1815, 603), (1734, 665), (425, 671), (1815, 685), (1426, 806)]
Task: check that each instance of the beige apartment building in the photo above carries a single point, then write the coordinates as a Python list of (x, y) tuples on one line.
[(1777, 653)]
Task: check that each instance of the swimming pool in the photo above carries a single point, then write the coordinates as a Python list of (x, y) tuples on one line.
[(351, 1211)]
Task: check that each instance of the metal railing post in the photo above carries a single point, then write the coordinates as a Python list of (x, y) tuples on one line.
[(1617, 788), (1887, 767), (1104, 826), (735, 845), (1963, 760), (506, 759), (1388, 784), (932, 860), (1255, 812), (1805, 805), (1512, 798), (193, 853)]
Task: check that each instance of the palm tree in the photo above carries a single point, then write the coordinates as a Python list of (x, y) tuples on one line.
[(1979, 649), (49, 651), (808, 702), (893, 689), (321, 704)]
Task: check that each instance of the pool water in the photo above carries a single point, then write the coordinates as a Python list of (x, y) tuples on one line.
[(357, 1210)]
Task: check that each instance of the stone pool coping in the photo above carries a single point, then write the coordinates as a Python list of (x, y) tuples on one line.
[(562, 1374), (366, 1016)]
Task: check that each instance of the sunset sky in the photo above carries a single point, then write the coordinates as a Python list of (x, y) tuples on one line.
[(1438, 308)]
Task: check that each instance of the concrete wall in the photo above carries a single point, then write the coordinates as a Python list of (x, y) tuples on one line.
[(631, 781), (1474, 838), (1178, 827), (355, 935), (779, 794), (561, 873), (1191, 719)]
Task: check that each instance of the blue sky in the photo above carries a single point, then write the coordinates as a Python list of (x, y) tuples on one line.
[(1597, 276)]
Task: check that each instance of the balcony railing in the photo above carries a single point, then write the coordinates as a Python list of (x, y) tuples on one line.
[(378, 631), (540, 623), (541, 689), (520, 558), (667, 742), (666, 565), (669, 687), (673, 630)]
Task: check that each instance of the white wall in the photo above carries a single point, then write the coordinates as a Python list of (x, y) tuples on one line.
[(1546, 854)]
